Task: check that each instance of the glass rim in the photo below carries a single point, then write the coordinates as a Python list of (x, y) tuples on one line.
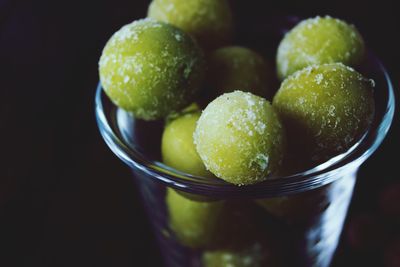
[(295, 183)]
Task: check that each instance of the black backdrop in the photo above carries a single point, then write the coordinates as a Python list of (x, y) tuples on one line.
[(65, 199)]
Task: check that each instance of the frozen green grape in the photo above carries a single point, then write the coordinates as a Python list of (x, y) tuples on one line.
[(209, 21), (325, 109), (177, 147), (151, 68), (318, 41), (255, 255), (240, 138), (238, 68)]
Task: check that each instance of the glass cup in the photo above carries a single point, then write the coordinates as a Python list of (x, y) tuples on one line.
[(295, 220)]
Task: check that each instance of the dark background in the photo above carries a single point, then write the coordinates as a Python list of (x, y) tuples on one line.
[(66, 200)]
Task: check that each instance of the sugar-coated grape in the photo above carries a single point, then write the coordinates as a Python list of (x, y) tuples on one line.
[(151, 68), (239, 68), (178, 150), (240, 138), (325, 109), (318, 41), (209, 21)]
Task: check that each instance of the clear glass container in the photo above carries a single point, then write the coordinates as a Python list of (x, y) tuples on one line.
[(291, 221)]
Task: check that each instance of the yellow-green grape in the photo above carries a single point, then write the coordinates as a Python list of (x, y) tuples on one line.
[(177, 147), (214, 224), (318, 41), (255, 255), (195, 223), (240, 138), (209, 21), (239, 68), (189, 109), (197, 197), (325, 109), (151, 68)]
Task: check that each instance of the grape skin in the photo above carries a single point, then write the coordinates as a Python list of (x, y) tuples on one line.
[(318, 41), (325, 109), (151, 68), (240, 138), (209, 21)]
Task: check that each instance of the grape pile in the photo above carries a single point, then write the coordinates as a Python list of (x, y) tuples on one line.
[(182, 56)]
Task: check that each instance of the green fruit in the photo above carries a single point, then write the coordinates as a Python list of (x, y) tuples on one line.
[(177, 147), (240, 138), (209, 21), (195, 223), (325, 109), (238, 68), (151, 68), (213, 224), (252, 256), (318, 41)]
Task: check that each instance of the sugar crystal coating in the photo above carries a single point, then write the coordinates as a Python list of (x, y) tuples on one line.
[(240, 138), (325, 109), (238, 68), (209, 21), (317, 41), (151, 68), (177, 147)]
